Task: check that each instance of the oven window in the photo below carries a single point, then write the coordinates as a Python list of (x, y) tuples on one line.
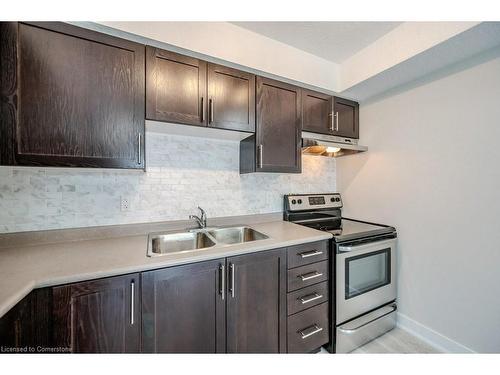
[(367, 272)]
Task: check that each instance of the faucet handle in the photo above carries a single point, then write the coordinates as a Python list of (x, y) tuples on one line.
[(203, 216)]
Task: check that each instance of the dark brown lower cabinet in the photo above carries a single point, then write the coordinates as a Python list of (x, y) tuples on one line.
[(26, 328), (98, 316), (233, 305), (256, 303), (183, 310)]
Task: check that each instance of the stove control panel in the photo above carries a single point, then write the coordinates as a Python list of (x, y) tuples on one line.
[(299, 202)]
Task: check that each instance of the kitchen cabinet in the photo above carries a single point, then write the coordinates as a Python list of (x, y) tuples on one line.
[(317, 111), (276, 146), (238, 304), (183, 309), (186, 90), (308, 296), (326, 114), (98, 316), (28, 324), (231, 99), (70, 97), (346, 113), (256, 303), (175, 87)]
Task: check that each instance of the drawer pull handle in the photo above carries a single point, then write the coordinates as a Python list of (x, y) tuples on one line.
[(316, 329), (310, 275), (314, 297), (312, 253)]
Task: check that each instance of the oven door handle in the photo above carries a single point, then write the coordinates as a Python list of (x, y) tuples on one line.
[(369, 245)]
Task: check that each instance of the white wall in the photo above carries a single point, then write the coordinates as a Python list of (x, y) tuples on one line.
[(234, 44), (182, 172), (433, 171)]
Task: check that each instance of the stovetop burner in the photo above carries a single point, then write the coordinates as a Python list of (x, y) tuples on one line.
[(324, 212)]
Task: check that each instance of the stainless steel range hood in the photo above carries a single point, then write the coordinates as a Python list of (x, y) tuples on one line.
[(329, 145)]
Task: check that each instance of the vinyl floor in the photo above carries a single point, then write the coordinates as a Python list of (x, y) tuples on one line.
[(397, 341)]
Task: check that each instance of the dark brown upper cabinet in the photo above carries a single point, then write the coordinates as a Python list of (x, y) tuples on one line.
[(186, 90), (98, 316), (175, 87), (326, 114), (70, 97), (256, 303), (183, 309), (276, 146), (231, 99), (317, 112), (346, 116)]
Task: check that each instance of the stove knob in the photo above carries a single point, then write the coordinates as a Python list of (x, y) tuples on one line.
[(332, 199), (337, 199), (294, 201), (299, 201)]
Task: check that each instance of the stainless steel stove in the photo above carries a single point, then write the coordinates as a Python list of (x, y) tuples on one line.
[(362, 265)]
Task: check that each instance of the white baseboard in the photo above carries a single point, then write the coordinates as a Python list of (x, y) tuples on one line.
[(431, 337)]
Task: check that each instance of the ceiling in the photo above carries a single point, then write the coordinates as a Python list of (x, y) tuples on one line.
[(333, 41)]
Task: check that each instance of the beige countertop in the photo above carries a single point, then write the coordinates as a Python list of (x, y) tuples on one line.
[(26, 267)]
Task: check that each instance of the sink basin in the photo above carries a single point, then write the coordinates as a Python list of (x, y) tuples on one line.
[(236, 235), (178, 242)]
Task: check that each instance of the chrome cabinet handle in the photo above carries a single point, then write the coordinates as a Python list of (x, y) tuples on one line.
[(222, 270), (139, 149), (132, 302), (311, 253), (202, 115), (261, 155), (314, 297), (210, 111), (232, 287), (316, 329), (336, 115), (332, 126), (310, 275)]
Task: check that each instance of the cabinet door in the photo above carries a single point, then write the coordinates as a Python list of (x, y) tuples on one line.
[(71, 97), (279, 123), (175, 87), (231, 99), (184, 309), (99, 316), (256, 303), (317, 112), (347, 118)]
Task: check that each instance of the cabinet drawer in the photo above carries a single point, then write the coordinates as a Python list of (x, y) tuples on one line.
[(307, 253), (307, 297), (310, 274), (308, 330)]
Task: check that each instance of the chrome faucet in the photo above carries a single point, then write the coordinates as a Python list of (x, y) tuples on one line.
[(202, 221)]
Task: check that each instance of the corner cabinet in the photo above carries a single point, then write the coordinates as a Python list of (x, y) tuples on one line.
[(70, 97), (276, 145), (189, 91)]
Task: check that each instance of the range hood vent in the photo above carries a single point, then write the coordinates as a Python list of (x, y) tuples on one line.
[(329, 145)]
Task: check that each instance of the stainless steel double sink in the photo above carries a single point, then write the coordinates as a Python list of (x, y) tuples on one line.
[(200, 239)]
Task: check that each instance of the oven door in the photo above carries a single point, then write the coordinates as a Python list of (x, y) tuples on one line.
[(366, 277)]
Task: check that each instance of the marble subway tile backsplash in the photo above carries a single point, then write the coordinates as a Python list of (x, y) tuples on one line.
[(182, 172)]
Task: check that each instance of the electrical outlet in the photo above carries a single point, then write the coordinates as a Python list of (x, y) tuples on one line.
[(124, 204)]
